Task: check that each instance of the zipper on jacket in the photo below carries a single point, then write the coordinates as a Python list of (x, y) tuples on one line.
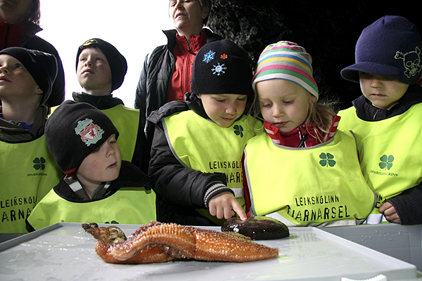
[(376, 113), (302, 140), (9, 25)]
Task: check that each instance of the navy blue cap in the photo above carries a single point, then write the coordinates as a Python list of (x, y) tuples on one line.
[(391, 46)]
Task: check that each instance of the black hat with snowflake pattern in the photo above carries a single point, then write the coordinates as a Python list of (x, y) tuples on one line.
[(222, 67)]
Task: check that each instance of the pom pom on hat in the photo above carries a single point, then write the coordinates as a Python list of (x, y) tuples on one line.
[(42, 67), (391, 46), (289, 61), (75, 130), (116, 60), (222, 67)]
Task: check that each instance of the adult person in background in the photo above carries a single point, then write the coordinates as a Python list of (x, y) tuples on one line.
[(167, 71), (19, 22)]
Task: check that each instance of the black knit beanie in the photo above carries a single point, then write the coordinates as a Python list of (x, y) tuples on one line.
[(221, 67), (116, 60), (42, 67), (73, 131)]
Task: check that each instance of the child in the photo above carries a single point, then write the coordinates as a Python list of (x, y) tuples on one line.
[(197, 146), (27, 169), (100, 69), (97, 186), (386, 118), (302, 172)]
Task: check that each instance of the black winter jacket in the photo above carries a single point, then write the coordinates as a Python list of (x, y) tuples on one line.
[(408, 204), (180, 190)]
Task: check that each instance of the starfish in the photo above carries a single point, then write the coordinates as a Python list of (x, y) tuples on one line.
[(162, 242)]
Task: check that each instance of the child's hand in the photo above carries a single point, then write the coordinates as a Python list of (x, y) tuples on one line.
[(225, 205), (389, 212)]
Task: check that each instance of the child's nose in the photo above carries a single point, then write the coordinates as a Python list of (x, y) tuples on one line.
[(231, 108), (4, 69), (88, 62), (376, 83), (277, 112), (110, 150)]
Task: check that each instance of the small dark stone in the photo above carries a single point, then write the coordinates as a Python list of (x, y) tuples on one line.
[(257, 228)]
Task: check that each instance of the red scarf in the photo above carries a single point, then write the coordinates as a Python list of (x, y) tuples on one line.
[(302, 136)]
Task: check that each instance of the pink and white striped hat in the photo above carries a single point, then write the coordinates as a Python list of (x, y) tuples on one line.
[(289, 61)]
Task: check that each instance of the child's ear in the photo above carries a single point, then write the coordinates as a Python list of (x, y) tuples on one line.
[(314, 99), (38, 91)]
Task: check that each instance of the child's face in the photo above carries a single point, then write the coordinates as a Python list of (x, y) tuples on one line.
[(16, 83), (383, 92), (101, 165), (93, 70), (284, 104), (223, 109)]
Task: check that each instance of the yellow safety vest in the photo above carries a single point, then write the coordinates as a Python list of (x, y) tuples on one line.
[(316, 186), (388, 150), (126, 206), (27, 173), (126, 121), (202, 145)]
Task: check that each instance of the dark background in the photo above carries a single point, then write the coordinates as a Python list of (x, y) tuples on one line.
[(327, 31)]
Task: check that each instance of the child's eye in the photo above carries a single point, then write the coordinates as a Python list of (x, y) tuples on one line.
[(287, 101), (265, 104), (18, 65)]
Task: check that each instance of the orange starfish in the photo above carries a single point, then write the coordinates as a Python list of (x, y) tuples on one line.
[(160, 242)]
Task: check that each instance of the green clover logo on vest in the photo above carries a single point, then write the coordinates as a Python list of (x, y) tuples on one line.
[(238, 130), (327, 160), (39, 163), (386, 162)]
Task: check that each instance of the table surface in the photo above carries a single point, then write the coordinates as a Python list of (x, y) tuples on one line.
[(65, 251)]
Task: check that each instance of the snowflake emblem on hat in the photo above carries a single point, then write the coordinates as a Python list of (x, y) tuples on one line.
[(209, 56), (219, 69), (89, 132)]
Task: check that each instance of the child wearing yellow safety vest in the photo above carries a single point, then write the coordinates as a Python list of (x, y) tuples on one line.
[(101, 69), (386, 119), (303, 171), (198, 144), (27, 169), (97, 185)]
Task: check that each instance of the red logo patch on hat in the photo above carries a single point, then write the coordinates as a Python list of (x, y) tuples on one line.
[(89, 132)]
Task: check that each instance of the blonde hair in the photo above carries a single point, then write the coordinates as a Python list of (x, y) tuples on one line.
[(322, 117)]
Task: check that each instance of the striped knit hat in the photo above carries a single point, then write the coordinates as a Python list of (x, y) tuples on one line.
[(289, 61)]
